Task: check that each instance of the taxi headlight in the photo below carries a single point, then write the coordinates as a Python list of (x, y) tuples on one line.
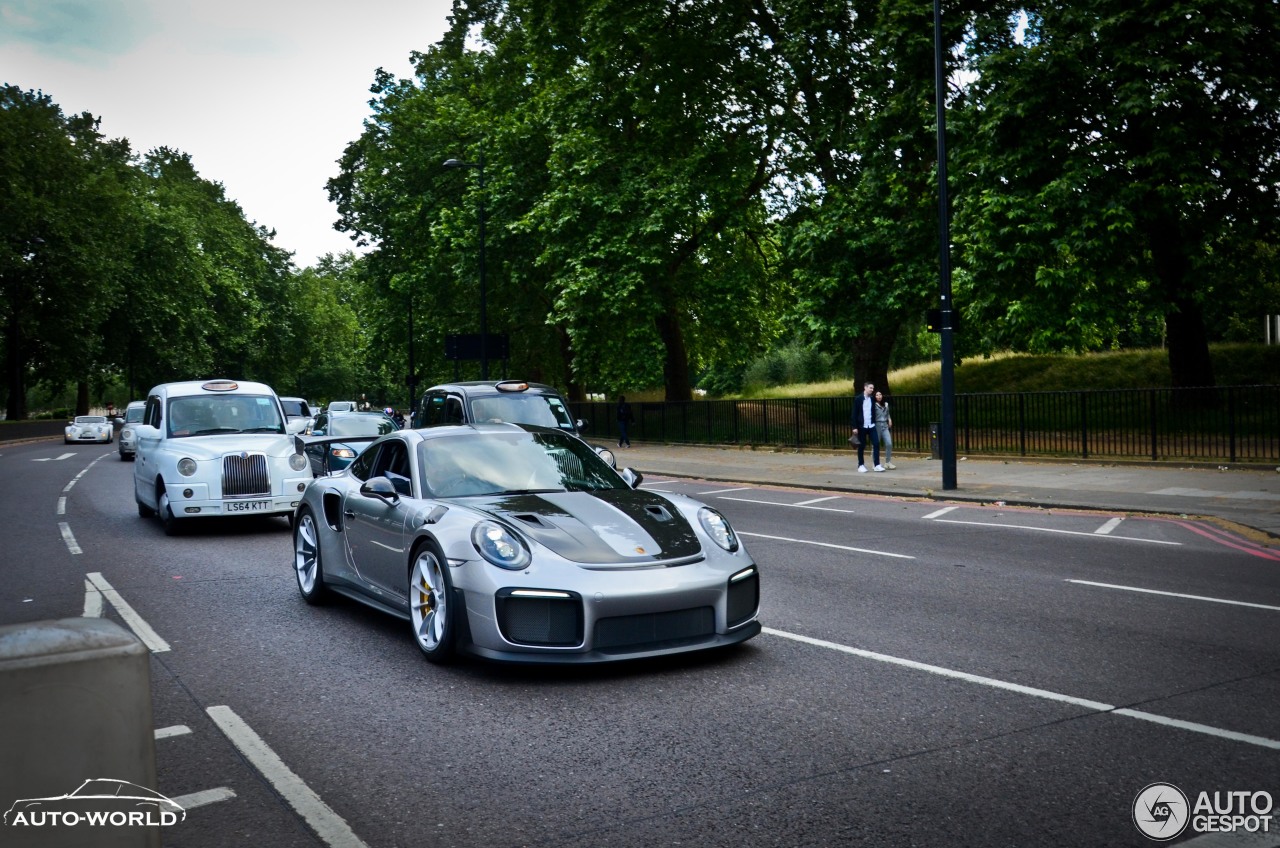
[(499, 545), (186, 466), (126, 433), (297, 462), (717, 527)]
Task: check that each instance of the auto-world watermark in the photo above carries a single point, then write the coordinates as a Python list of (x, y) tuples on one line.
[(100, 802), (1162, 811)]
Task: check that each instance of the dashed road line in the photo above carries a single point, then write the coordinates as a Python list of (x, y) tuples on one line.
[(941, 512), (1175, 595), (994, 683), (826, 545), (170, 732), (69, 537), (328, 825), (1106, 529), (62, 505), (136, 623), (722, 491), (92, 601), (817, 500), (204, 799), (1054, 530), (797, 506)]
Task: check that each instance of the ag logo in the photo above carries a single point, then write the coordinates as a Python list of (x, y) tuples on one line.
[(1161, 811)]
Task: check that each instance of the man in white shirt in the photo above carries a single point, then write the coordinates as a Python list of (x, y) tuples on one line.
[(863, 422)]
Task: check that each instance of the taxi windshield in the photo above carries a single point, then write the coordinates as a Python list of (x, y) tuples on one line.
[(538, 410), (211, 415)]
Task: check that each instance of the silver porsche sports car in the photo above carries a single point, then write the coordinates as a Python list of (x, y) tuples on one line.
[(518, 543)]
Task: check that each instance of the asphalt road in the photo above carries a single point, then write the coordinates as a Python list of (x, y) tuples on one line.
[(930, 674)]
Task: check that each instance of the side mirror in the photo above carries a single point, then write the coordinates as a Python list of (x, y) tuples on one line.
[(296, 426), (380, 488), (634, 478), (119, 421)]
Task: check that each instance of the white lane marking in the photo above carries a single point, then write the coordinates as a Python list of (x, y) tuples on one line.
[(796, 506), (1175, 595), (722, 491), (53, 458), (92, 601), (1005, 685), (136, 623), (940, 512), (62, 505), (826, 545), (1055, 530), (204, 799), (817, 500), (327, 824), (69, 538), (170, 732), (1108, 527)]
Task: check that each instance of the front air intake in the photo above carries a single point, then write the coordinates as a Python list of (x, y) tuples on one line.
[(551, 619), (245, 475)]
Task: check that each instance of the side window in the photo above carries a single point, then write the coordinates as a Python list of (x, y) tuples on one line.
[(453, 412), (321, 427), (393, 463), (152, 414), (361, 467), (433, 409)]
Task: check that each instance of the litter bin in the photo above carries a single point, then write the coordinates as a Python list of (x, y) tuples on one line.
[(935, 451)]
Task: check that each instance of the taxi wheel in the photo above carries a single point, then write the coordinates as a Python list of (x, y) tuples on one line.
[(172, 525), (431, 610)]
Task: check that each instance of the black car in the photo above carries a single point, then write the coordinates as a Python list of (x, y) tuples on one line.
[(503, 401)]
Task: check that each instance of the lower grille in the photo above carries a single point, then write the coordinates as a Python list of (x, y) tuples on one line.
[(744, 598), (550, 622), (245, 475), (637, 631)]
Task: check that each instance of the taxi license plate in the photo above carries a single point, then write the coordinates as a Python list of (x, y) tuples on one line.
[(247, 506)]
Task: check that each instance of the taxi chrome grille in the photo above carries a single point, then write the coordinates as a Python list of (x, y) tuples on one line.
[(245, 475)]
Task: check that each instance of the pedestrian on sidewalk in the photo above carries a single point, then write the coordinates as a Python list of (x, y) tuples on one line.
[(625, 417), (863, 421), (883, 424)]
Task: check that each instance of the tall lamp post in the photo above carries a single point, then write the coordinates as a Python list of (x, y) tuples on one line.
[(484, 310), (947, 438)]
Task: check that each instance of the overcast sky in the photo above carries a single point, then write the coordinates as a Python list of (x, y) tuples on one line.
[(263, 94)]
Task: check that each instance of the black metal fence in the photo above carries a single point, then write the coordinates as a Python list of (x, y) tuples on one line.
[(1234, 423)]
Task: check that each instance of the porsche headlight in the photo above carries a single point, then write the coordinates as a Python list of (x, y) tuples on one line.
[(499, 546), (186, 466), (717, 527), (297, 462)]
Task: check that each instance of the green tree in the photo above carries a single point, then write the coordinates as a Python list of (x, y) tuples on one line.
[(1119, 162)]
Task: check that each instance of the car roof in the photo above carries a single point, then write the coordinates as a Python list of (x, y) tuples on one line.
[(197, 387), (491, 387), (134, 404)]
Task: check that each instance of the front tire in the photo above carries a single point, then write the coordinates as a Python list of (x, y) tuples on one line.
[(306, 558), (431, 609), (172, 525)]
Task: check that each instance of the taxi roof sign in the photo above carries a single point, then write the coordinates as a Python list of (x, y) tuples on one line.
[(220, 386)]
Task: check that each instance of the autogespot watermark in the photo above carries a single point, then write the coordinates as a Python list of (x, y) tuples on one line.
[(101, 802), (1162, 811)]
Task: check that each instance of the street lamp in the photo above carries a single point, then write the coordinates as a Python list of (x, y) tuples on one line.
[(947, 438), (484, 311)]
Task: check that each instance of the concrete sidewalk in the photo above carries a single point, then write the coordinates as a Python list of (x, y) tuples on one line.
[(1244, 496)]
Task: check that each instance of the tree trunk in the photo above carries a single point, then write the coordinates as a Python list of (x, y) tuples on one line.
[(675, 366), (871, 353), (1189, 363), (573, 388), (82, 397), (16, 407)]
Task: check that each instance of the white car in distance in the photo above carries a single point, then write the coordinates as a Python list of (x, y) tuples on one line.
[(128, 439), (216, 448), (89, 428)]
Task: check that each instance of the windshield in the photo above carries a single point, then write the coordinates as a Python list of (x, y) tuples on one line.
[(133, 414), (539, 410), (473, 463), (90, 419), (208, 415), (361, 425)]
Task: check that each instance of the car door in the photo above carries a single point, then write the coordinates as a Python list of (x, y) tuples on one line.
[(145, 466), (375, 526)]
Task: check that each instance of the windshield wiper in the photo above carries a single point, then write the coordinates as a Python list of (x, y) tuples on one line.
[(211, 431), (262, 430)]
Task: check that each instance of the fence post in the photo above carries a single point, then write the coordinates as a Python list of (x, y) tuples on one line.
[(737, 438), (1084, 425), (1155, 425), (1022, 423), (795, 407), (1231, 422)]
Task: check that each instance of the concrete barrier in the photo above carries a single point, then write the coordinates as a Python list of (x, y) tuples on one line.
[(75, 706)]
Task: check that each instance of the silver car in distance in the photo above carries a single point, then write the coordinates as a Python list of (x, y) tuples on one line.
[(518, 543)]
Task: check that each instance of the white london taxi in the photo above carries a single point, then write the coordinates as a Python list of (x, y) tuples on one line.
[(215, 448)]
